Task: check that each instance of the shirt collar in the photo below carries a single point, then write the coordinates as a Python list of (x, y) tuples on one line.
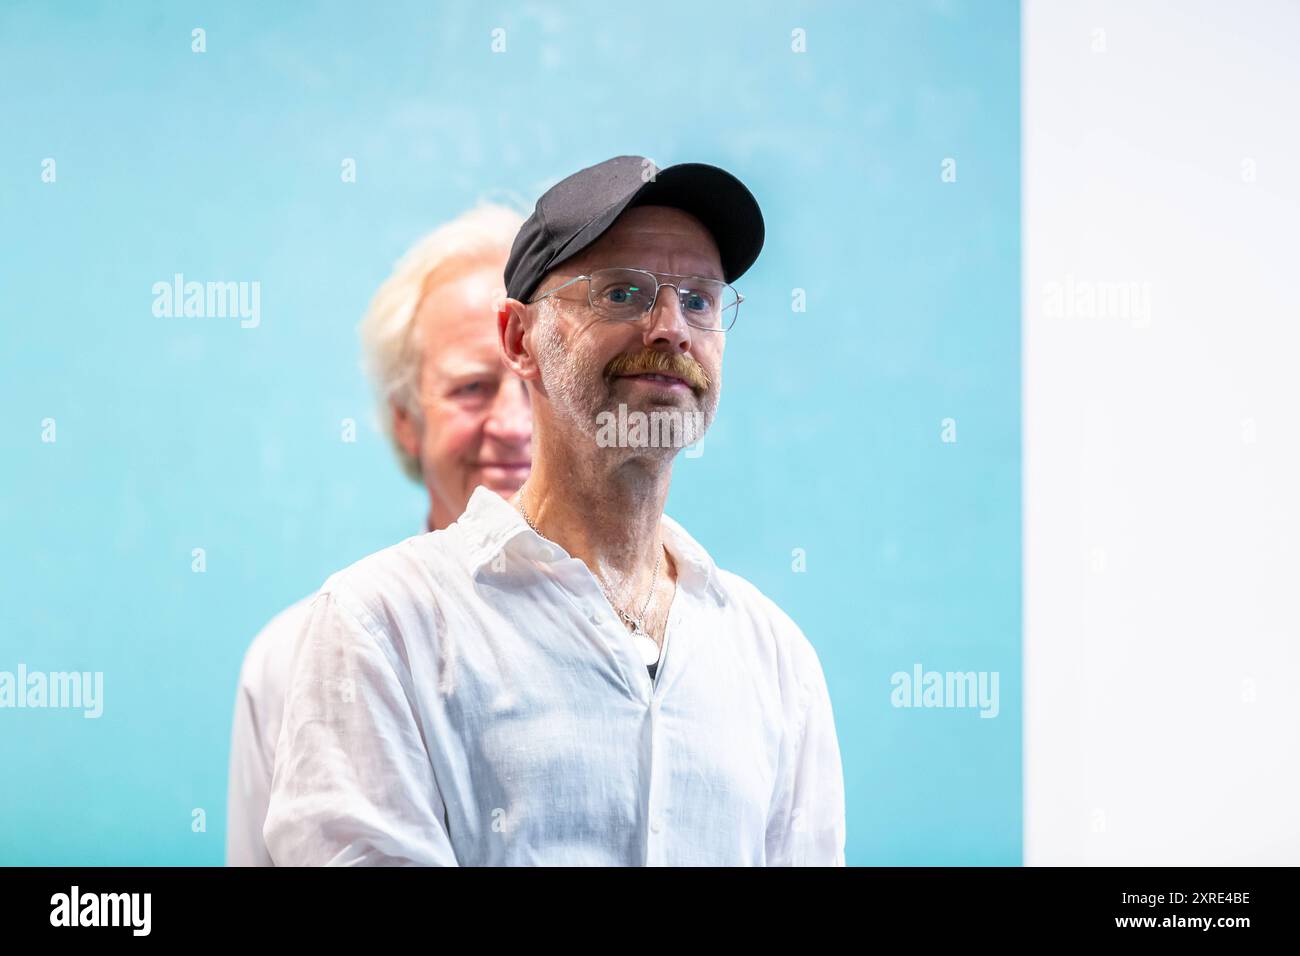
[(491, 525)]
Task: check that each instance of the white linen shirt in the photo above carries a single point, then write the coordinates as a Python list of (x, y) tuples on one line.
[(259, 705), (469, 697)]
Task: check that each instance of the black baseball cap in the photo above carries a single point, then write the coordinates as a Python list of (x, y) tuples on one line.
[(576, 211)]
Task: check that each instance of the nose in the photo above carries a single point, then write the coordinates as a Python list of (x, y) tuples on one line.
[(510, 419), (667, 328)]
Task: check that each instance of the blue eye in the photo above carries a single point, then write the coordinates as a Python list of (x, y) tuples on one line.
[(697, 302), (621, 295)]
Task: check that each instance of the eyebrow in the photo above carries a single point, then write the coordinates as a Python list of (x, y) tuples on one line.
[(464, 368)]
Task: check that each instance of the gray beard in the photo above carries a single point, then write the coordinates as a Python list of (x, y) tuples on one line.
[(577, 396)]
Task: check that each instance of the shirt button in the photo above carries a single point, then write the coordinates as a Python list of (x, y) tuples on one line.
[(656, 824)]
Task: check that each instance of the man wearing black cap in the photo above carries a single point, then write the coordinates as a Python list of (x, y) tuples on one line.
[(568, 678)]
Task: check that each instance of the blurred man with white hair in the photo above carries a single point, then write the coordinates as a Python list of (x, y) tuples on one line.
[(458, 419)]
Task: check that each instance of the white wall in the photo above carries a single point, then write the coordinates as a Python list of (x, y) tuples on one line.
[(1162, 445)]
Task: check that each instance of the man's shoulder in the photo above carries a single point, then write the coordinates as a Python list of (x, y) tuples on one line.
[(754, 602), (763, 615), (390, 574), (793, 647), (388, 585), (272, 647)]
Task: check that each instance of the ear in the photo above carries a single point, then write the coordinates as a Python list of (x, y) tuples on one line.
[(513, 324), (406, 429)]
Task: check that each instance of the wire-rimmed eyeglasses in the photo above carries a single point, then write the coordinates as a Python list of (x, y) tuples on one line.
[(625, 295)]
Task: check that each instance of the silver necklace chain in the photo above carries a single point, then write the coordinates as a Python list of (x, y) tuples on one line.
[(638, 623)]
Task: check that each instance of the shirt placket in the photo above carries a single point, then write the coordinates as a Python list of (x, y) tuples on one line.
[(589, 601), (659, 793)]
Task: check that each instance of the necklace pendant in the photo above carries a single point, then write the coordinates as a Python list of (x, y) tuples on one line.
[(646, 644)]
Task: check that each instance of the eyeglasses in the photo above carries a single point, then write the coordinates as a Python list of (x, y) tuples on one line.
[(625, 295)]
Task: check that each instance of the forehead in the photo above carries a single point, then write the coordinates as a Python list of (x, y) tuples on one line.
[(658, 238), (457, 314)]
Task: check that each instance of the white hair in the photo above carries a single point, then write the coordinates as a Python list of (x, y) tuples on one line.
[(390, 336)]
